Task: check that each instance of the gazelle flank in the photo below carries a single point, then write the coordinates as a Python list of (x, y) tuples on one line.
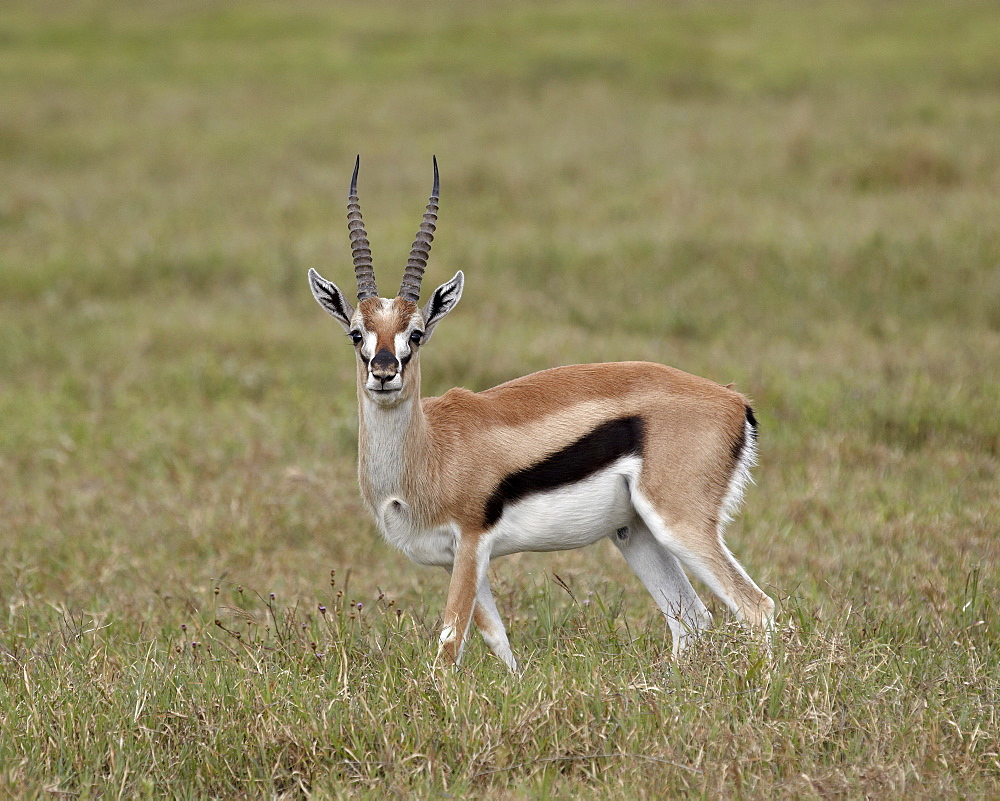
[(648, 456)]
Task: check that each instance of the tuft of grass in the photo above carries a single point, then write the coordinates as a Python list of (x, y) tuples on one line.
[(343, 696), (906, 167)]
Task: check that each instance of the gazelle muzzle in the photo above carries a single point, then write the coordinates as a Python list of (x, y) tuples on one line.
[(384, 368)]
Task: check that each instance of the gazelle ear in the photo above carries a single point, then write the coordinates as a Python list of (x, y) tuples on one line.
[(331, 298), (443, 300)]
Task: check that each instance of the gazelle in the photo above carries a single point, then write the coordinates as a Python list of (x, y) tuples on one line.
[(653, 458)]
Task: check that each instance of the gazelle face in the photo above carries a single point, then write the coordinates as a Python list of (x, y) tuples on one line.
[(387, 334)]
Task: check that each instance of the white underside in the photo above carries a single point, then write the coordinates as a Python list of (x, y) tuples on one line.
[(572, 516)]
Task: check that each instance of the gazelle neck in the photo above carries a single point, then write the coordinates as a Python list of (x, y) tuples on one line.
[(391, 441)]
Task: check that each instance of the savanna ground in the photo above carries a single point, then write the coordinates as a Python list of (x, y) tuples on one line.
[(800, 198)]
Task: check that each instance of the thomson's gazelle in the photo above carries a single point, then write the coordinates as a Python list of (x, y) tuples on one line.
[(653, 458)]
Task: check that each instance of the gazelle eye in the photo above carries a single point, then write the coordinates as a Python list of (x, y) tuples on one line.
[(355, 337), (416, 337)]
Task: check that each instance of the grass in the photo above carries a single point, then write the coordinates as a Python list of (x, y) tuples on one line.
[(798, 198)]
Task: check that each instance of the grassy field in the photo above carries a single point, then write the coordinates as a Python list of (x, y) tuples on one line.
[(800, 198)]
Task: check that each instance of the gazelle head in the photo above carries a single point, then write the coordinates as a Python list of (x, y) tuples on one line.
[(387, 333)]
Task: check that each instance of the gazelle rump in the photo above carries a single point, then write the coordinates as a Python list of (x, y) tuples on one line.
[(651, 457)]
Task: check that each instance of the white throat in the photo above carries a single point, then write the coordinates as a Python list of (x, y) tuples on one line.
[(381, 449)]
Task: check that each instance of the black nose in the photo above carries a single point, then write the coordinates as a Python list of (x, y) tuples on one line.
[(384, 365)]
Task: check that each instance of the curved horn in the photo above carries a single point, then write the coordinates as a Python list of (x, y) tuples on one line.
[(417, 263), (360, 247)]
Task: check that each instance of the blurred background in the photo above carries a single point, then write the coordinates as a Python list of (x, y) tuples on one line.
[(800, 198)]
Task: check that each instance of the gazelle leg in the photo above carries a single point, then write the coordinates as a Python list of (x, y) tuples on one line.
[(491, 625), (661, 574), (701, 548), (466, 571)]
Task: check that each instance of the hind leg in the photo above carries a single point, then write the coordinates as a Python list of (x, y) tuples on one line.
[(661, 574), (700, 547)]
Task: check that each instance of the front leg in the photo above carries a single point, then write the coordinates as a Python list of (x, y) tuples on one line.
[(469, 567), (491, 624)]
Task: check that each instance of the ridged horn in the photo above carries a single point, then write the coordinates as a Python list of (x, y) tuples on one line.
[(360, 247), (421, 248)]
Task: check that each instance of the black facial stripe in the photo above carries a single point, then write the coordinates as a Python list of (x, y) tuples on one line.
[(605, 444), (412, 348), (752, 421)]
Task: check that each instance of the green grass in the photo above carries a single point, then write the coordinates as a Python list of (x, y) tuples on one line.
[(800, 198)]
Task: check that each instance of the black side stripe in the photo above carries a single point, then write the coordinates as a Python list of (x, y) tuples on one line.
[(605, 444)]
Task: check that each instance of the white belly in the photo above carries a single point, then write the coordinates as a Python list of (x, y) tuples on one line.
[(572, 516)]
